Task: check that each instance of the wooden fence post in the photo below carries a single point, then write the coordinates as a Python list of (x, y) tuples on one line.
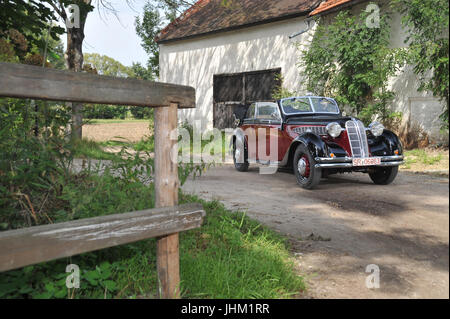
[(166, 192)]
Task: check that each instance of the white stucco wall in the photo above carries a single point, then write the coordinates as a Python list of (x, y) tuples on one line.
[(194, 62)]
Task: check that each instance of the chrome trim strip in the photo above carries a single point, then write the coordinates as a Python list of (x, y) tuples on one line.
[(392, 158), (392, 163), (350, 165), (350, 159), (310, 102), (318, 130)]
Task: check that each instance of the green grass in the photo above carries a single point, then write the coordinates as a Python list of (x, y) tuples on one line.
[(230, 256), (422, 157), (88, 149)]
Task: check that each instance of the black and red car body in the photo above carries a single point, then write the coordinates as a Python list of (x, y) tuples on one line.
[(315, 140)]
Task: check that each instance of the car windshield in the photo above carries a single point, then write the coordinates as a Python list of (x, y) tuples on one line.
[(300, 105)]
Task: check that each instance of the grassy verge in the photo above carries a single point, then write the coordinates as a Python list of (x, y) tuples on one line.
[(426, 159), (90, 149), (231, 256)]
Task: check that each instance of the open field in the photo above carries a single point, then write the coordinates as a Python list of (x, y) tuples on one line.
[(106, 130)]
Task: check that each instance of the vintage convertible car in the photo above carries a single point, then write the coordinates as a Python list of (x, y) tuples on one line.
[(314, 139)]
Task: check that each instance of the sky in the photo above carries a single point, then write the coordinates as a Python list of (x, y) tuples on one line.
[(115, 38)]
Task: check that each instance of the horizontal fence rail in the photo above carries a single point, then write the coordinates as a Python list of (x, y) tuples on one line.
[(25, 81), (38, 244)]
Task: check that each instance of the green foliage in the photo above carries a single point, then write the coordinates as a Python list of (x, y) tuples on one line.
[(352, 62), (280, 92), (101, 111), (427, 22), (87, 149), (147, 28), (34, 161), (231, 256), (105, 65), (421, 156), (141, 72), (29, 18)]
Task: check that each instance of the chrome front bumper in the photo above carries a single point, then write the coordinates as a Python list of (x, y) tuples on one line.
[(347, 162)]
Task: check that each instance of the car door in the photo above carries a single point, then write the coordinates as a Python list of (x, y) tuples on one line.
[(268, 125)]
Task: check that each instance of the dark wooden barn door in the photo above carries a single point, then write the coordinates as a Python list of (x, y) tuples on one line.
[(233, 93)]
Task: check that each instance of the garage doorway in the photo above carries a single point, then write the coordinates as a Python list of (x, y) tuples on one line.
[(233, 94)]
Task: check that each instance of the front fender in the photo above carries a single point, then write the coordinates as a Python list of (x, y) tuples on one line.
[(386, 144), (315, 145)]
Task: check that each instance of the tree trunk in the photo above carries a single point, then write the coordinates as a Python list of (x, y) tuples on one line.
[(74, 62)]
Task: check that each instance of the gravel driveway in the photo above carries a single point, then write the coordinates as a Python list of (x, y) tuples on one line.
[(346, 224)]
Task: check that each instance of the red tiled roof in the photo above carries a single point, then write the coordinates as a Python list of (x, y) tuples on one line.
[(328, 5), (209, 16)]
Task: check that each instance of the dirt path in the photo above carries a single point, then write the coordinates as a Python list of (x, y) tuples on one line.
[(347, 224)]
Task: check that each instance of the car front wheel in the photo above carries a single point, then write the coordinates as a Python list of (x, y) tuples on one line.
[(384, 175), (308, 176)]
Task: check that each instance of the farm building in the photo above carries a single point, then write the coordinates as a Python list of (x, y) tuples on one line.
[(232, 55)]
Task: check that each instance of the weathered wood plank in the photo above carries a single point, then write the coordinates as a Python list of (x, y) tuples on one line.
[(25, 81), (166, 194), (19, 248)]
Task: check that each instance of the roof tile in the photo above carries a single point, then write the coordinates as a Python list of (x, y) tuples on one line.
[(208, 16), (328, 5)]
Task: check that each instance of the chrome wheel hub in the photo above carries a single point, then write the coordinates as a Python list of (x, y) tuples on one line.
[(301, 166)]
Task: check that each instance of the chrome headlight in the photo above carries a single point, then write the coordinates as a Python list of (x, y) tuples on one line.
[(376, 128), (334, 129)]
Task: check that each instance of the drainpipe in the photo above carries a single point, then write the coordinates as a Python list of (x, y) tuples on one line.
[(309, 24)]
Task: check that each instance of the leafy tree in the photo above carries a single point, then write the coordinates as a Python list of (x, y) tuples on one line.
[(141, 72), (106, 65), (147, 29), (428, 40), (29, 19), (353, 62), (157, 13), (74, 50)]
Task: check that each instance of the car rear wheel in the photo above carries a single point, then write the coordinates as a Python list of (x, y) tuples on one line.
[(308, 176), (384, 175), (240, 152)]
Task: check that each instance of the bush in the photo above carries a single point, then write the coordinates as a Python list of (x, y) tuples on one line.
[(99, 111), (141, 113)]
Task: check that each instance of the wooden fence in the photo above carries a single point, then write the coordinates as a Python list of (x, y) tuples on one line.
[(33, 245)]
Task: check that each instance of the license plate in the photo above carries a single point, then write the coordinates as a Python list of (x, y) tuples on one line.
[(369, 161)]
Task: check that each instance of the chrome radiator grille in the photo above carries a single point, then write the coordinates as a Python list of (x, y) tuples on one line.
[(318, 130), (357, 138)]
